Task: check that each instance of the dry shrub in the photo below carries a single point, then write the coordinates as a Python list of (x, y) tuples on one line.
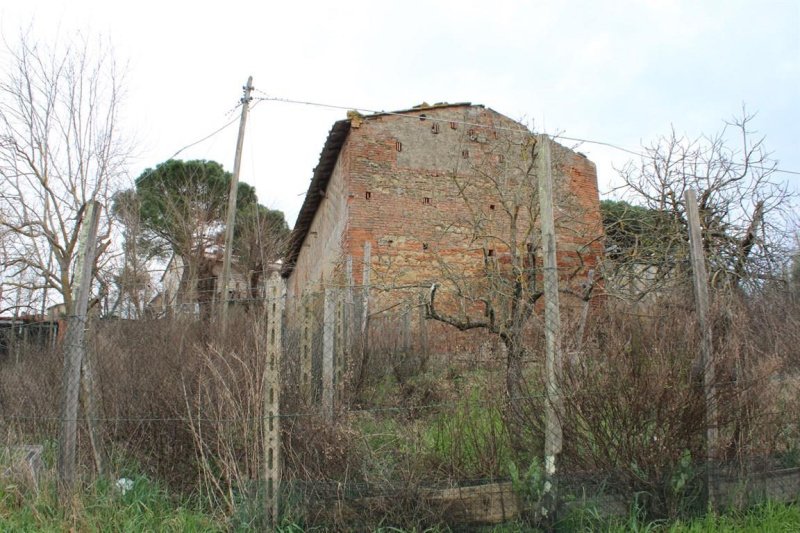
[(29, 399), (226, 416), (634, 410), (142, 368)]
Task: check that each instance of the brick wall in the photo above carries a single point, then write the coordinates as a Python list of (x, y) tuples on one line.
[(428, 191)]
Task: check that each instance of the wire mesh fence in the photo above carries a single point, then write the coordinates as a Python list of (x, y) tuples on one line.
[(390, 417)]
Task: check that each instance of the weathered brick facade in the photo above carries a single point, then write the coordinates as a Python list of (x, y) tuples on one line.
[(434, 190)]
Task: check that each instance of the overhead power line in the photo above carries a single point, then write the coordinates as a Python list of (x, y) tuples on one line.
[(213, 133), (360, 109)]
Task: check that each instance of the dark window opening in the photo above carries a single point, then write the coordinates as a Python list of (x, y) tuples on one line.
[(424, 245), (423, 116), (368, 195), (426, 200), (491, 207), (435, 127), (453, 125), (465, 154), (490, 252), (399, 146)]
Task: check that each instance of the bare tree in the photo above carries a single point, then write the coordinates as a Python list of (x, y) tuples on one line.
[(744, 209), (497, 283), (60, 147), (132, 280)]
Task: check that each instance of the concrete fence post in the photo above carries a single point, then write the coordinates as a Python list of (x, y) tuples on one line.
[(328, 340), (272, 378)]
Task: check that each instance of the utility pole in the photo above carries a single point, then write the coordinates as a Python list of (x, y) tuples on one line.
[(74, 348), (231, 218), (700, 278), (552, 319)]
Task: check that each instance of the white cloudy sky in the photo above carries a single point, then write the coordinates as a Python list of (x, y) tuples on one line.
[(616, 71)]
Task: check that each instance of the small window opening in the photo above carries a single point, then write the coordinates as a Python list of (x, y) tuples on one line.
[(368, 195), (424, 245), (453, 125), (435, 127), (490, 252), (422, 117), (491, 207), (501, 158), (472, 134), (465, 154), (426, 200), (399, 146)]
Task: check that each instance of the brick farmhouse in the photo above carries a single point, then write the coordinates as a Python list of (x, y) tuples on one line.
[(431, 194)]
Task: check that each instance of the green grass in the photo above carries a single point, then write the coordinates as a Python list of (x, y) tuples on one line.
[(470, 439), (769, 516), (100, 507)]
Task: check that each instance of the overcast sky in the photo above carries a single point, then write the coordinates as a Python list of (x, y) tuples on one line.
[(617, 71)]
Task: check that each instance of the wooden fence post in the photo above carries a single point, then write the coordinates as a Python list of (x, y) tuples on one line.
[(74, 347), (700, 279), (552, 316)]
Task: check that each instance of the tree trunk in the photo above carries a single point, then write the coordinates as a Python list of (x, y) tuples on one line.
[(517, 398)]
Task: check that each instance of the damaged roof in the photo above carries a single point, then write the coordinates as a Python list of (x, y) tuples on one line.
[(316, 192), (322, 174)]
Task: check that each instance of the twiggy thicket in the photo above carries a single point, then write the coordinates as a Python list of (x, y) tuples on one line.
[(186, 407)]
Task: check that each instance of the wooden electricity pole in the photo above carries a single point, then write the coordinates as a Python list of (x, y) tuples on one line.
[(552, 316), (74, 347), (700, 278), (231, 218)]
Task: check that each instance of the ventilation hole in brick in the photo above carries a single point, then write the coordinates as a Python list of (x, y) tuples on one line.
[(453, 125), (399, 146), (491, 207), (423, 116), (426, 200), (490, 252), (435, 127), (368, 195), (465, 154)]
